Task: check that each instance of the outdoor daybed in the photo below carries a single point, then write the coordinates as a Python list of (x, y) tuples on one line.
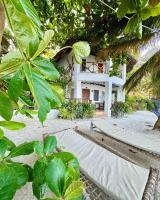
[(150, 143), (107, 176)]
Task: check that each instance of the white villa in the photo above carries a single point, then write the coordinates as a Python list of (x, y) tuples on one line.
[(92, 83)]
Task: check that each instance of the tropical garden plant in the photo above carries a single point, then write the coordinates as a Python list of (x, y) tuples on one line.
[(76, 110), (27, 78)]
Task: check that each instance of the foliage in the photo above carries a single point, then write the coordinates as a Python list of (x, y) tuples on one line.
[(118, 61), (119, 108), (29, 79), (76, 110), (139, 103), (151, 67)]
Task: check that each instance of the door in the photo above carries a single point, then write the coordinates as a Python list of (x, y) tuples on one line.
[(85, 95)]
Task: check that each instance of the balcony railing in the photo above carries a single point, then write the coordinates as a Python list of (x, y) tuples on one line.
[(94, 67)]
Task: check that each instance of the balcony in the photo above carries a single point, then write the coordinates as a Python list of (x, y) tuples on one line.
[(94, 67)]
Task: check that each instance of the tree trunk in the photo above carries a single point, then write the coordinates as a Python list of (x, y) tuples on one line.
[(157, 124), (2, 18)]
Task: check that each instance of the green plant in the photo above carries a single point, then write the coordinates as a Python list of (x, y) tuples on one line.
[(27, 78), (119, 108), (76, 110)]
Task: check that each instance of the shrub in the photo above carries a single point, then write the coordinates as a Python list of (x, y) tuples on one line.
[(76, 110), (119, 108)]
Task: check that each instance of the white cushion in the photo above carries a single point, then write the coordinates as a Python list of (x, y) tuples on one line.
[(119, 178), (147, 142)]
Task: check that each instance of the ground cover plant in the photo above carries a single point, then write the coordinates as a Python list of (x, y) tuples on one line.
[(76, 110)]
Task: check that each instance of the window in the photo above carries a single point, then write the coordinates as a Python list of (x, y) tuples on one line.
[(96, 95)]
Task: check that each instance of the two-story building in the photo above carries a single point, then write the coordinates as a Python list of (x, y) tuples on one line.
[(92, 82)]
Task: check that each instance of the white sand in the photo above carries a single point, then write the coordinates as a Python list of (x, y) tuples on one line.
[(141, 122)]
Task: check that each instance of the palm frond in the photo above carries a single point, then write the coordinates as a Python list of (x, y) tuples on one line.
[(151, 66), (127, 46)]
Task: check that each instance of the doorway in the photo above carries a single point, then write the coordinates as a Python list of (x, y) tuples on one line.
[(85, 95)]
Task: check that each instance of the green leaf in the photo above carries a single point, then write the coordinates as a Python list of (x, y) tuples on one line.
[(58, 91), (38, 148), (10, 145), (42, 92), (139, 28), (26, 7), (22, 149), (6, 110), (80, 50), (55, 176), (39, 185), (44, 43), (3, 148), (68, 158), (26, 100), (149, 11), (1, 133), (10, 63), (50, 145), (27, 37), (46, 68), (15, 88), (131, 25), (21, 174), (8, 182), (123, 9), (11, 125), (74, 191)]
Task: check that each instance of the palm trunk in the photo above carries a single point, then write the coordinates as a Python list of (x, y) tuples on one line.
[(1, 22), (157, 124)]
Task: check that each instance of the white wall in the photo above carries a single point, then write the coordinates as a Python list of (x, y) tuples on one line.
[(101, 89)]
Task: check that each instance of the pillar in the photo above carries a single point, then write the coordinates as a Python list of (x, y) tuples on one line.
[(77, 83), (124, 72), (108, 98), (120, 94)]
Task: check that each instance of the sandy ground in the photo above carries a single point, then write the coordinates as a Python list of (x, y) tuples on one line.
[(141, 122)]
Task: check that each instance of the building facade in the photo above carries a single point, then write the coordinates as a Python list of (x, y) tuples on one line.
[(92, 82)]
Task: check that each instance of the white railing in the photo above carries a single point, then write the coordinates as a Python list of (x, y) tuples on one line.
[(94, 67)]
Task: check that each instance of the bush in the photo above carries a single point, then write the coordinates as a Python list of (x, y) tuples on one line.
[(119, 108), (76, 110), (137, 103)]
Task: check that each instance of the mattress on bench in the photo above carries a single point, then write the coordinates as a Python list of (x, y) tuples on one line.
[(118, 178), (145, 142)]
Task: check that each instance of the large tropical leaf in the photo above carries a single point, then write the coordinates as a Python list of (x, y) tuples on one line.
[(44, 43), (55, 176), (75, 191), (150, 11), (22, 149), (80, 50), (8, 182), (10, 63), (11, 125), (6, 110), (25, 6), (50, 145), (41, 92), (21, 174), (26, 37), (46, 68), (15, 88), (123, 8), (39, 184)]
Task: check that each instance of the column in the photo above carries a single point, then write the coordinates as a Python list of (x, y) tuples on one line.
[(77, 83), (108, 65), (124, 72), (108, 98), (120, 94)]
